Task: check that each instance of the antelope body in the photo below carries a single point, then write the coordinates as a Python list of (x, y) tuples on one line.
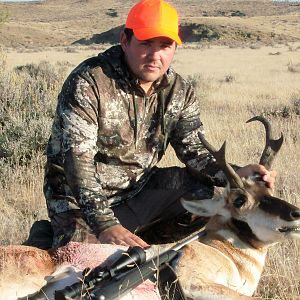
[(227, 262), (29, 273)]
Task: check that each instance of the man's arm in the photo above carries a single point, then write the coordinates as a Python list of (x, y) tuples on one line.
[(77, 111), (78, 114), (198, 160)]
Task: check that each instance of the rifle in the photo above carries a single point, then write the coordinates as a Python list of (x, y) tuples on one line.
[(132, 269)]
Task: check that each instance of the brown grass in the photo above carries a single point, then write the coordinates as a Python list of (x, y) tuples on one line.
[(60, 23), (234, 83), (259, 83)]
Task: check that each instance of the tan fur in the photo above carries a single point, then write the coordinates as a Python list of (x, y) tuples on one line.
[(22, 266), (228, 261), (31, 271)]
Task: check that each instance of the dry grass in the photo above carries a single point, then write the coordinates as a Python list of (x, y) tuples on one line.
[(27, 97), (234, 83), (260, 84), (60, 23)]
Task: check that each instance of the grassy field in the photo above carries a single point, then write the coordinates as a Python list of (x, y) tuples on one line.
[(235, 79), (62, 23)]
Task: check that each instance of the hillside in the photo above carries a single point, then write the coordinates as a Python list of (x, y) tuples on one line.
[(65, 22), (240, 55)]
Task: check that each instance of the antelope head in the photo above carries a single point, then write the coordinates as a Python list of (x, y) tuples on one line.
[(246, 205)]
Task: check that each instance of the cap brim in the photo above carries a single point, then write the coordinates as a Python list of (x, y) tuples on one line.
[(150, 33)]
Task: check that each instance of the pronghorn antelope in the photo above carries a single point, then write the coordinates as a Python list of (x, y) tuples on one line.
[(245, 220), (226, 263)]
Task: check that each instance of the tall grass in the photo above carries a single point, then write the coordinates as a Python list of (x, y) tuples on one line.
[(27, 101), (257, 86)]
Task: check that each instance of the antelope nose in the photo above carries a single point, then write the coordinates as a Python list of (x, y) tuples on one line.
[(295, 215)]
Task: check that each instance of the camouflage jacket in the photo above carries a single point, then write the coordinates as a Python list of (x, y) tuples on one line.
[(108, 135)]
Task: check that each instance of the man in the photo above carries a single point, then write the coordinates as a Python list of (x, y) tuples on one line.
[(116, 115)]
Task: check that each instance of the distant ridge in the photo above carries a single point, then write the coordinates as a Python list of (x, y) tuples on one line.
[(55, 23), (189, 32)]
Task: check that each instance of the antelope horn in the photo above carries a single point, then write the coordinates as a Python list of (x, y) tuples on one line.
[(233, 178), (272, 145)]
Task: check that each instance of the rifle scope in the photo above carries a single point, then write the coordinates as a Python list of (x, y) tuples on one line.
[(124, 283), (128, 260)]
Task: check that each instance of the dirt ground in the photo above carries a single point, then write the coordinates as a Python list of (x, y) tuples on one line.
[(61, 23), (216, 61)]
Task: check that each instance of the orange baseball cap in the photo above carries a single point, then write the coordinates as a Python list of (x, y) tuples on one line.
[(153, 18)]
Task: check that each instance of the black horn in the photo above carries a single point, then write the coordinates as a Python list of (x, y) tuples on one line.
[(272, 145), (233, 178)]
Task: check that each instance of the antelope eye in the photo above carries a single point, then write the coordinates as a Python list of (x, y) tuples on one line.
[(239, 201)]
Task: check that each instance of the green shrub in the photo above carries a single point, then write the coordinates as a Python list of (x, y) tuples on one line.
[(27, 102), (294, 68), (192, 32), (202, 85), (237, 13), (112, 12), (4, 15), (286, 111)]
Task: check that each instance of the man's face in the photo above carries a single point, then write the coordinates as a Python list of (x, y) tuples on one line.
[(148, 59)]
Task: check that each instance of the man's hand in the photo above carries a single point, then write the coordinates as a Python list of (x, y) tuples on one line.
[(119, 235), (267, 176)]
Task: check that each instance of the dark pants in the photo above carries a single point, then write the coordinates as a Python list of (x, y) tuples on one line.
[(155, 213), (160, 199)]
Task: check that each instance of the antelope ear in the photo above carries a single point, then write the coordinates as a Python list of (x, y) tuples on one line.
[(204, 207)]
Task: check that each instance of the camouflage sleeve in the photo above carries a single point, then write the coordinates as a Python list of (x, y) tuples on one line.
[(188, 147), (78, 110)]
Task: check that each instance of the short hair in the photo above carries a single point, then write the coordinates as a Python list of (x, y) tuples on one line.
[(129, 33)]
